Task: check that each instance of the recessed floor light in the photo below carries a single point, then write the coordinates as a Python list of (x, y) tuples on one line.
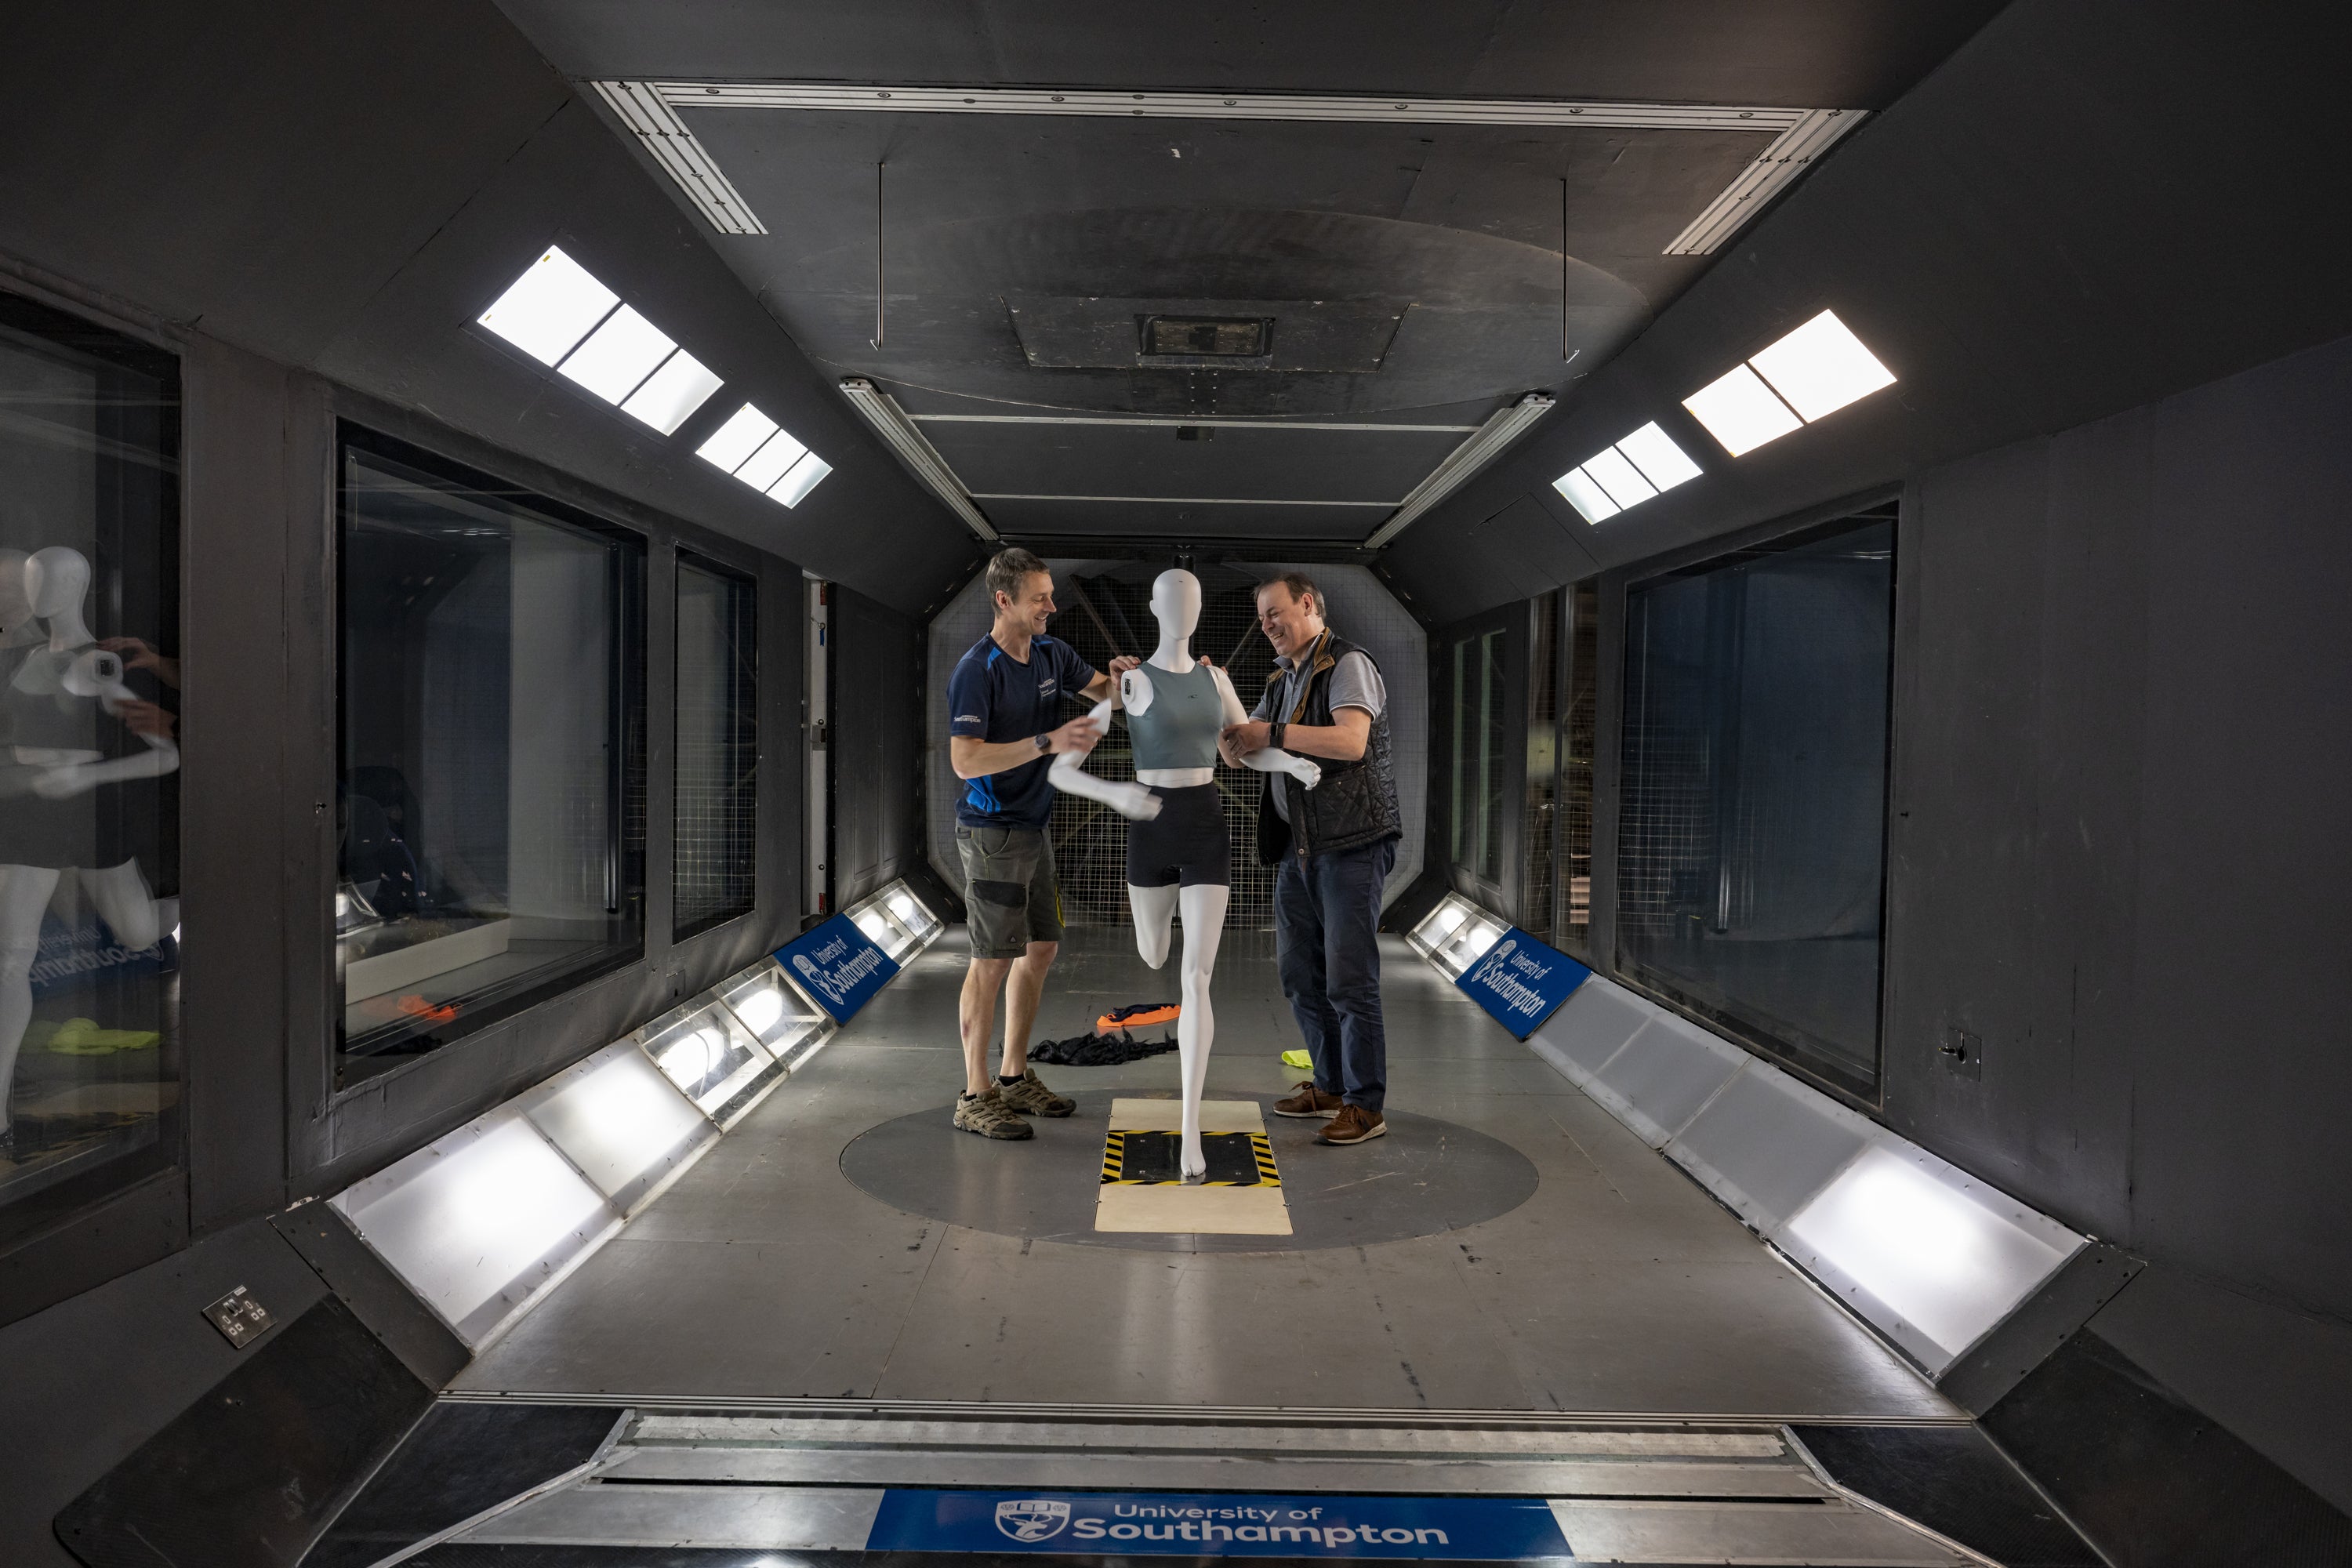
[(1820, 367), (547, 310), (1740, 411), (618, 357)]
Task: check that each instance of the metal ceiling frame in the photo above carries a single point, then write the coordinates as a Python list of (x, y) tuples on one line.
[(1798, 135)]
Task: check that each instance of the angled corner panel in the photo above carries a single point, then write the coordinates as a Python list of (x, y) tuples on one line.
[(1767, 1144), (1591, 1027)]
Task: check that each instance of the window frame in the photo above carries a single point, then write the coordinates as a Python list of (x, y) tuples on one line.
[(1610, 750), (630, 732), (684, 559)]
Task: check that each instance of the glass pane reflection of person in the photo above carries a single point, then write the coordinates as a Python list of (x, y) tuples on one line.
[(1178, 855), (62, 704)]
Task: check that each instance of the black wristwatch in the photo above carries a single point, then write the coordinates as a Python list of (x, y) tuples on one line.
[(1274, 736), (1045, 742)]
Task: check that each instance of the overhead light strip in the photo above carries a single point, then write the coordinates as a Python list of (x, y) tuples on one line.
[(642, 109), (764, 455), (1800, 136), (1805, 375), (1773, 171), (890, 423), (1183, 501), (1463, 461), (1624, 474), (559, 314), (1172, 422), (908, 100)]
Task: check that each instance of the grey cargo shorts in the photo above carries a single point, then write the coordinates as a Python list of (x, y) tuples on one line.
[(1009, 892)]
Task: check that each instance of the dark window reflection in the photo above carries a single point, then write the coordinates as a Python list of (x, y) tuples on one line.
[(1751, 840), (717, 845), (89, 680), (491, 799)]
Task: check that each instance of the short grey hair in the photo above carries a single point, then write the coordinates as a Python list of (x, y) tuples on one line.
[(1005, 572)]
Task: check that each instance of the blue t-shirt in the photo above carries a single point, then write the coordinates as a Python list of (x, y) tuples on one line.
[(994, 697)]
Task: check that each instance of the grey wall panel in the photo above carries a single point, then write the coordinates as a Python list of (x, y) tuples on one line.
[(2009, 237), (347, 195), (877, 746), (2123, 758)]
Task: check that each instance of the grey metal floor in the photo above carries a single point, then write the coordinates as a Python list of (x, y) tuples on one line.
[(1618, 1287)]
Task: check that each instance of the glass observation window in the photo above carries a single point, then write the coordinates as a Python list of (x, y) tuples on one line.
[(1751, 843), (90, 697), (1577, 725), (1543, 768), (1494, 773), (717, 740), (491, 797)]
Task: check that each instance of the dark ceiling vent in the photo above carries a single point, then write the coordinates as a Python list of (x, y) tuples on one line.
[(1230, 337)]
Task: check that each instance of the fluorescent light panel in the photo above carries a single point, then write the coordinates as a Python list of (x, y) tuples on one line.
[(897, 921), (765, 456), (766, 465), (557, 314), (1626, 474), (1812, 371), (799, 479), (737, 440)]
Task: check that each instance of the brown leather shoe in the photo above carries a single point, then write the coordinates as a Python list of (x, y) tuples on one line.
[(1309, 1101), (1354, 1124)]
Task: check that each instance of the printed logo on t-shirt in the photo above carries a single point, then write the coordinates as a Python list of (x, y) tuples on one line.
[(1045, 687), (966, 717)]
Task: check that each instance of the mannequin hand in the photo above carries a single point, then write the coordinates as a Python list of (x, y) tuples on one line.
[(59, 783), (1079, 735), (1136, 804), (1307, 774)]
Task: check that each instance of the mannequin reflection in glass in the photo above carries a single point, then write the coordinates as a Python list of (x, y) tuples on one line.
[(58, 687), (1178, 854)]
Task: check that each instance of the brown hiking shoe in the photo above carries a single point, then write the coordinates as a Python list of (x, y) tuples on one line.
[(1309, 1101), (1354, 1124), (1030, 1097), (988, 1115)]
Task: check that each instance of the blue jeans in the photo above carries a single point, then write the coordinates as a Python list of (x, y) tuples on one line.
[(1327, 919)]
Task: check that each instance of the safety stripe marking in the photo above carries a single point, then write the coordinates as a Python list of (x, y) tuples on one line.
[(1114, 1161)]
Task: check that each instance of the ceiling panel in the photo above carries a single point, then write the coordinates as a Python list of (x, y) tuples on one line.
[(1178, 520), (1227, 463)]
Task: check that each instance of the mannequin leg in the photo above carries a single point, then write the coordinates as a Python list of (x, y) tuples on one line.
[(23, 897), (126, 903), (1155, 911), (1196, 1026)]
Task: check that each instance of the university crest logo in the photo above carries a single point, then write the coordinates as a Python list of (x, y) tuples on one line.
[(1033, 1518)]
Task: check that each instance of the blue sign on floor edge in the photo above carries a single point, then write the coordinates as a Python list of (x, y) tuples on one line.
[(1522, 981), (1215, 1524), (838, 966)]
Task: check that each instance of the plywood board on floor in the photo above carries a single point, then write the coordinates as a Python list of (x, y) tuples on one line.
[(1195, 1211)]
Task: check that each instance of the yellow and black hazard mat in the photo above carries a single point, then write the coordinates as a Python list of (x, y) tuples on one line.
[(1142, 1188), (1154, 1159)]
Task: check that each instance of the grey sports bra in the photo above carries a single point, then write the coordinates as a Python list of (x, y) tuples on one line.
[(1179, 729)]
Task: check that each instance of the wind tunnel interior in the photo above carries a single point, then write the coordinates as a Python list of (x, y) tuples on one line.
[(1847, 511)]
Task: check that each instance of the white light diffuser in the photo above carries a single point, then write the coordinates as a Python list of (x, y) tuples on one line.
[(737, 440), (1620, 479), (620, 1122), (672, 393), (1740, 411), (1590, 501), (799, 479), (618, 355), (766, 465), (477, 1222), (1933, 1257), (547, 310), (1820, 367), (1661, 462)]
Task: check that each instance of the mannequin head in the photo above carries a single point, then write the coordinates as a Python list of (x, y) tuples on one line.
[(1176, 603), (57, 580)]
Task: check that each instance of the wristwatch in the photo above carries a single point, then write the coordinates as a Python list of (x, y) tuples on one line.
[(1274, 736), (1045, 742)]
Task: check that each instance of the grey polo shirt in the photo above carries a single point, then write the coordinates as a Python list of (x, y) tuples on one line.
[(1355, 683)]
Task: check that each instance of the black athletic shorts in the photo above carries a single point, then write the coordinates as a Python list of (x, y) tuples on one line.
[(1186, 843)]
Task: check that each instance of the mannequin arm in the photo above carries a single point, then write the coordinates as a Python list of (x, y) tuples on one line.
[(161, 757), (1264, 759), (1069, 775)]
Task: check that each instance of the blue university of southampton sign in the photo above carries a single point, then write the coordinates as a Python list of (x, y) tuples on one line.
[(838, 966), (1215, 1524), (1521, 980)]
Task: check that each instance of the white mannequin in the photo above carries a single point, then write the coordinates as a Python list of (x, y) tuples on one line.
[(49, 586), (1176, 602)]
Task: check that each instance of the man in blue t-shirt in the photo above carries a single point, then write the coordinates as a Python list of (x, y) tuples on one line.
[(1004, 723)]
